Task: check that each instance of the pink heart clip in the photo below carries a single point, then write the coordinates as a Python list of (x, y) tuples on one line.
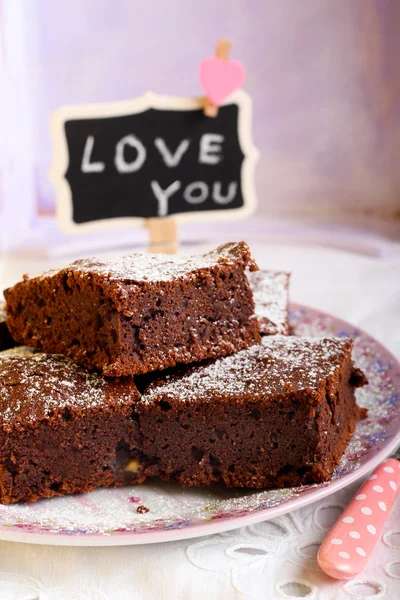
[(219, 78)]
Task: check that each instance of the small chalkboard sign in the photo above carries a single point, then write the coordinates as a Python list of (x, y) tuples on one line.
[(154, 156)]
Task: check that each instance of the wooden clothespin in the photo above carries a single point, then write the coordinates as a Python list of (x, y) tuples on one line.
[(163, 234), (222, 51)]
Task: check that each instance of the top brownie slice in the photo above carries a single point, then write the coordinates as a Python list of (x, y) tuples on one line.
[(271, 297), (139, 313)]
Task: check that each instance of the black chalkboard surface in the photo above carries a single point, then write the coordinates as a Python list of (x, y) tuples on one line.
[(154, 156)]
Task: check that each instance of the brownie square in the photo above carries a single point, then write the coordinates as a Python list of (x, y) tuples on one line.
[(62, 428), (271, 298), (6, 340), (278, 414), (141, 312)]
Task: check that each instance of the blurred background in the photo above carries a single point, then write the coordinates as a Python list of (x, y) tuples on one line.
[(324, 77)]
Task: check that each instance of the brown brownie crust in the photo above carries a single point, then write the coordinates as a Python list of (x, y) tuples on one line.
[(62, 428), (271, 298), (139, 313), (279, 414)]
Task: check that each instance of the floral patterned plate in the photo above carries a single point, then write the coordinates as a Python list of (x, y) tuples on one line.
[(157, 512)]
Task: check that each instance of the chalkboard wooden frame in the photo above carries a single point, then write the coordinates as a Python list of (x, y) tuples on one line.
[(149, 100)]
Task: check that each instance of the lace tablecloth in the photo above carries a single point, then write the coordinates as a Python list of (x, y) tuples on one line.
[(272, 560)]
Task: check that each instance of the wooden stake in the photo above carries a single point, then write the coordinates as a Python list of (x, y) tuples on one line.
[(163, 235), (222, 51)]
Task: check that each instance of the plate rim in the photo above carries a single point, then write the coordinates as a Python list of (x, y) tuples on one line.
[(206, 528)]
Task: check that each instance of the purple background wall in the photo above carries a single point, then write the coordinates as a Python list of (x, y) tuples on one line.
[(324, 76)]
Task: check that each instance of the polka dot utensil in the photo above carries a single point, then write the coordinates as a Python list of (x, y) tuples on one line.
[(350, 543)]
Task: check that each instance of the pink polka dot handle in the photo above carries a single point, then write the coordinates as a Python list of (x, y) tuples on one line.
[(349, 545)]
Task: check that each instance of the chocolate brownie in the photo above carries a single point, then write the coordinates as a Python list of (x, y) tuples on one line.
[(278, 414), (271, 298), (62, 428), (139, 313), (6, 340)]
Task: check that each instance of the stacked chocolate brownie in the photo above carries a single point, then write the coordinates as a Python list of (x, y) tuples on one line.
[(152, 365)]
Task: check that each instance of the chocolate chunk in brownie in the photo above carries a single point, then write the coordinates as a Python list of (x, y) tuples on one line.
[(271, 298), (278, 414), (63, 429), (6, 340), (139, 313)]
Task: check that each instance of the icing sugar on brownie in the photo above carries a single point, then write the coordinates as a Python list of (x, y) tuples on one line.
[(278, 365), (159, 267), (34, 385), (271, 296)]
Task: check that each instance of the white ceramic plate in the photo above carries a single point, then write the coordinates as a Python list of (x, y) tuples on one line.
[(109, 517)]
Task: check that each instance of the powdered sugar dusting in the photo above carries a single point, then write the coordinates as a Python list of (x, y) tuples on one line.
[(278, 365), (160, 267), (34, 385), (271, 294)]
